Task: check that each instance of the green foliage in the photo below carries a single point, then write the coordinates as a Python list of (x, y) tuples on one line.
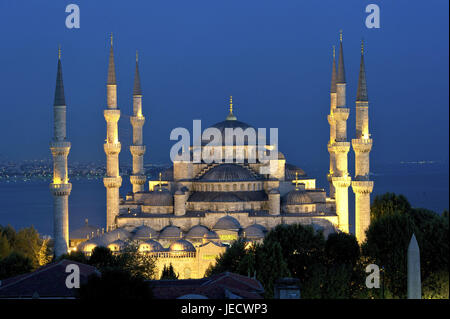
[(168, 273), (342, 248), (115, 284), (302, 248), (27, 243), (15, 264), (436, 286), (388, 204), (102, 258), (77, 256), (5, 247), (386, 245), (230, 260), (136, 263)]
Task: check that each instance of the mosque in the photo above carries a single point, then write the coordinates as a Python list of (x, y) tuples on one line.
[(195, 210)]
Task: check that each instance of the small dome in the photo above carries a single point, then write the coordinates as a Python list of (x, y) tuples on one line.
[(109, 237), (181, 245), (87, 246), (227, 223), (297, 197), (197, 232), (116, 245), (254, 232), (144, 232), (211, 236), (170, 232), (289, 172), (150, 245), (158, 197), (228, 173)]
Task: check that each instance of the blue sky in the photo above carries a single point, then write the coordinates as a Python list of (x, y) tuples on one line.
[(274, 57)]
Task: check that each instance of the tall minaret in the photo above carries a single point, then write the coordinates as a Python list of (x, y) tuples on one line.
[(341, 179), (362, 145), (112, 180), (138, 178), (60, 187), (332, 123)]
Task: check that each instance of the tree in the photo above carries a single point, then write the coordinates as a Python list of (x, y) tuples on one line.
[(136, 262), (387, 242), (168, 273), (342, 248), (77, 256), (43, 256), (115, 284), (5, 247), (270, 265), (102, 258), (15, 264), (302, 248), (388, 204), (28, 243), (230, 260)]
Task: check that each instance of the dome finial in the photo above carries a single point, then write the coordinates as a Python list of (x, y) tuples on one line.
[(296, 181), (362, 46), (334, 51), (137, 57), (59, 51), (160, 178), (231, 116), (340, 35), (111, 38)]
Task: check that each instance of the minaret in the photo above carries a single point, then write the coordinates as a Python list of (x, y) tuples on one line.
[(137, 150), (332, 123), (341, 179), (112, 180), (362, 145), (60, 187)]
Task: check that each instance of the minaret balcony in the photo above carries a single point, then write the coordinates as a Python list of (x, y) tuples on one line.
[(362, 145), (137, 150), (112, 182), (60, 148), (60, 189), (138, 179), (112, 115), (362, 187), (137, 121), (341, 113), (112, 148), (341, 147), (341, 181)]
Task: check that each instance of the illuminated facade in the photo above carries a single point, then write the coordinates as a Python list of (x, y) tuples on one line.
[(197, 204)]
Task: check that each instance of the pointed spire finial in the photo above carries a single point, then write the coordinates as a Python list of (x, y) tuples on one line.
[(334, 52), (137, 79), (59, 51), (333, 72), (111, 65), (341, 69), (160, 181), (231, 116), (111, 38), (137, 57), (361, 93)]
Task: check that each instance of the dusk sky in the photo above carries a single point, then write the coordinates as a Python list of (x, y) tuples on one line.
[(274, 57)]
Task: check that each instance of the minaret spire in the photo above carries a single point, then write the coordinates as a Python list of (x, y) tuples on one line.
[(60, 186), (333, 72), (361, 94), (341, 69), (59, 91), (137, 79), (111, 65)]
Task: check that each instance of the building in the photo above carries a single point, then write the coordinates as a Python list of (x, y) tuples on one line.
[(196, 208)]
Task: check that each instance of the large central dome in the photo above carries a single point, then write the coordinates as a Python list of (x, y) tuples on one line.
[(232, 125), (228, 173)]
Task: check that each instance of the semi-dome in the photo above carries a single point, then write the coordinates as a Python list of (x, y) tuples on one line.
[(228, 173), (297, 197), (254, 231), (150, 245), (227, 223), (211, 236), (158, 197), (197, 232), (181, 245), (290, 170), (170, 232), (144, 231)]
